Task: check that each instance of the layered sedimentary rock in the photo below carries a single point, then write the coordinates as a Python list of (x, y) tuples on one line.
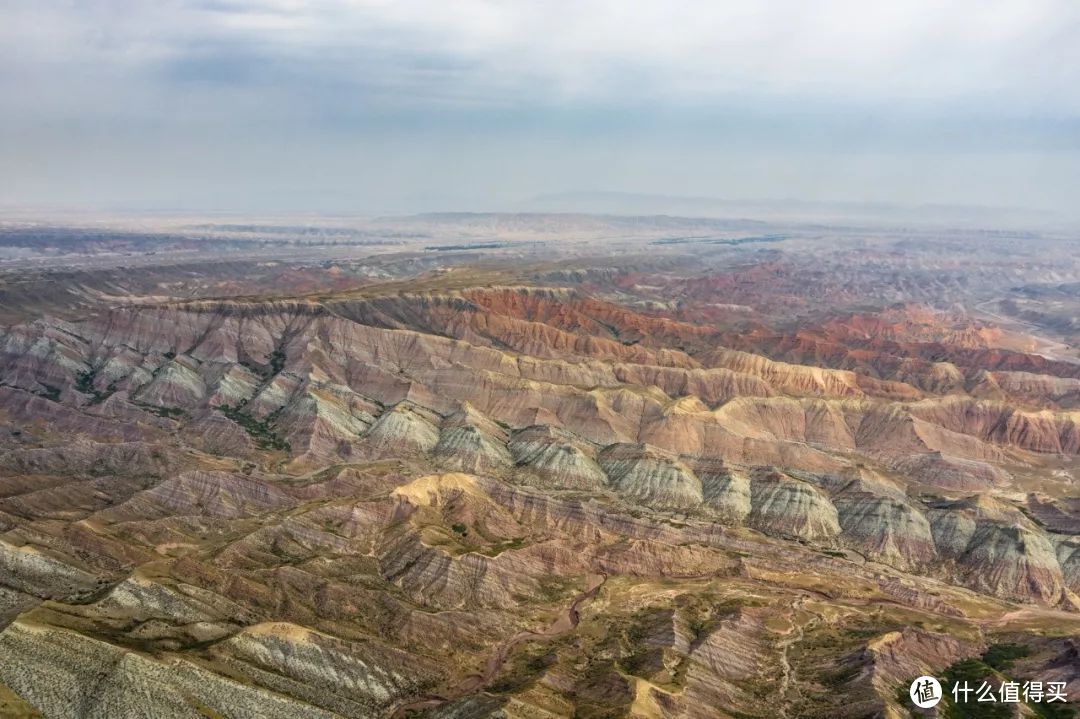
[(66, 674), (997, 549), (728, 494), (471, 442), (887, 528), (400, 431), (450, 499), (557, 457), (785, 506), (650, 476)]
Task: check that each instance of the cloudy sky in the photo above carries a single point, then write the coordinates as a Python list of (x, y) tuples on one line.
[(377, 105)]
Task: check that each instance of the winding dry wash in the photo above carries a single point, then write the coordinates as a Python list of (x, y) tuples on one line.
[(532, 465)]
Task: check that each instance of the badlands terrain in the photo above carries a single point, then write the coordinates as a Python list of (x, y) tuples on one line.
[(533, 466)]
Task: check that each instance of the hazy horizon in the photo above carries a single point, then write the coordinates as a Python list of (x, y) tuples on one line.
[(378, 107)]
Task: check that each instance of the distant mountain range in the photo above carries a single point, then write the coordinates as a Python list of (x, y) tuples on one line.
[(630, 203)]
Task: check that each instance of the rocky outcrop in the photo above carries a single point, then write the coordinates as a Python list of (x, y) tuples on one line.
[(82, 457), (791, 379), (325, 423), (951, 473), (213, 494), (722, 665), (31, 571), (216, 434), (402, 430), (65, 674), (347, 678), (1013, 561), (557, 457), (728, 494), (784, 506), (1044, 431), (1068, 555), (997, 550), (886, 528), (650, 476), (895, 658), (1028, 388), (177, 384), (470, 442)]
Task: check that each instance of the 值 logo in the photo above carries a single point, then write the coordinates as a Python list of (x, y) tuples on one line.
[(925, 692)]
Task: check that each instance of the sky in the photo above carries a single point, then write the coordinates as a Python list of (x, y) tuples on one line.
[(395, 106)]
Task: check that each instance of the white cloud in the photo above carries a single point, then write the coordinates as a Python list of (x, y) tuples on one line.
[(1018, 56), (639, 95)]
